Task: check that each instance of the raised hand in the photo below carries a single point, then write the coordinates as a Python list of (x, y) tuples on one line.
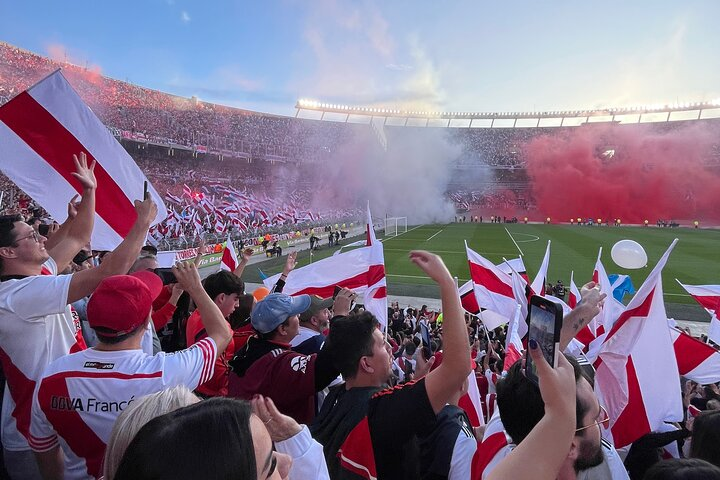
[(431, 264), (146, 211), (73, 206), (84, 173), (279, 426), (290, 263), (187, 276), (343, 301)]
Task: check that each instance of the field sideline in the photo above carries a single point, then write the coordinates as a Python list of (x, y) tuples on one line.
[(695, 260)]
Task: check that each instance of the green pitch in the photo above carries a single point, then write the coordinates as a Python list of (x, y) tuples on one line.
[(695, 260)]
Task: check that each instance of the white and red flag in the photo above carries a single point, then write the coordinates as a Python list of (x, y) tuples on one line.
[(362, 270), (229, 259), (709, 297), (41, 129), (636, 372), (574, 295), (490, 319), (513, 341), (538, 285), (493, 287), (696, 360), (611, 310)]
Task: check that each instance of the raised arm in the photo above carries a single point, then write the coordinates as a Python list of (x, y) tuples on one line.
[(245, 256), (584, 312), (446, 379), (541, 454), (215, 324), (78, 230), (121, 259)]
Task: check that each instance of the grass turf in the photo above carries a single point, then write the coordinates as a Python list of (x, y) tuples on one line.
[(695, 259)]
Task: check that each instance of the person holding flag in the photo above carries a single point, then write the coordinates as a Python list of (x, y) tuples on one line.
[(37, 325)]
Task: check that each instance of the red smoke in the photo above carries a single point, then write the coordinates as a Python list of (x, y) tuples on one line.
[(649, 176)]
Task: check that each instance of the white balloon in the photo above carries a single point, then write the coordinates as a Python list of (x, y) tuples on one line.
[(629, 254)]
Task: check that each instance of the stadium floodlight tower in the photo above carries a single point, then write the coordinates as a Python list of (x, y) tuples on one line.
[(394, 226)]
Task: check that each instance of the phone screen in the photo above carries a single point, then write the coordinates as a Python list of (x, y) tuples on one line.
[(542, 328)]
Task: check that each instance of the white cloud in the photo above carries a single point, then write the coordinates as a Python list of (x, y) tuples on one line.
[(185, 17)]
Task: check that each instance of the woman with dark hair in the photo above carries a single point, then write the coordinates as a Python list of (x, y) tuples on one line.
[(683, 469), (706, 437), (223, 438)]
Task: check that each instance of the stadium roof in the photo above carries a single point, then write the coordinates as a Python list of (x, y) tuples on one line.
[(305, 104)]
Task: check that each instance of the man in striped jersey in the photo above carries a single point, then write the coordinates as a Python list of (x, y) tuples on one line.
[(80, 396)]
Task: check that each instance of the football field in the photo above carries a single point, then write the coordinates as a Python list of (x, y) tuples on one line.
[(695, 259)]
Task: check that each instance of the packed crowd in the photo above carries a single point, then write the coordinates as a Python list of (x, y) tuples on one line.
[(110, 360), (143, 114)]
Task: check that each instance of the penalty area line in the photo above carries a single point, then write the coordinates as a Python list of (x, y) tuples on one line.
[(435, 235), (513, 240)]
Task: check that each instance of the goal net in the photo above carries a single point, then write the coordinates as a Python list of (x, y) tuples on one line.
[(394, 226)]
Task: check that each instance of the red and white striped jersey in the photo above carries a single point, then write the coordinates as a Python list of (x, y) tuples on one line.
[(80, 396), (36, 326)]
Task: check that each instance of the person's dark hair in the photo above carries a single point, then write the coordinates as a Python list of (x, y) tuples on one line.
[(223, 282), (7, 234), (115, 340), (210, 439), (706, 437), (350, 339), (683, 469), (521, 405), (410, 349), (241, 315)]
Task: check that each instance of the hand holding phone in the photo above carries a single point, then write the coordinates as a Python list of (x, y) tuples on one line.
[(545, 322), (166, 275)]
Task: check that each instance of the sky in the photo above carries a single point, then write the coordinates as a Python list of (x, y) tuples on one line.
[(479, 55)]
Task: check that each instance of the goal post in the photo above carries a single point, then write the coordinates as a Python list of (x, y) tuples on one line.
[(394, 226)]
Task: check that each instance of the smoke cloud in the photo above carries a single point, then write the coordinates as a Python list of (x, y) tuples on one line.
[(628, 173), (407, 180)]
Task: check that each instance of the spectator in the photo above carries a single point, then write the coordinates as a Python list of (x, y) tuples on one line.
[(135, 416), (313, 323), (237, 441), (36, 324), (224, 288), (372, 429), (266, 365), (705, 443), (103, 381), (683, 469)]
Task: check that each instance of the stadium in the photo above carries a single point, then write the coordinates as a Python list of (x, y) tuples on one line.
[(491, 165), (294, 292)]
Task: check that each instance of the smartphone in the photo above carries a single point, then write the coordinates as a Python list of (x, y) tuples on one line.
[(693, 411), (166, 275), (145, 190), (338, 288), (544, 325)]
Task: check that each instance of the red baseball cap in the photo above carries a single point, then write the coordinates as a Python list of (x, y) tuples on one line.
[(122, 303)]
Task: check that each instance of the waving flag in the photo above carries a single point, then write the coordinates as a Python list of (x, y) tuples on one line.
[(538, 285), (696, 360), (362, 270), (41, 129), (493, 288), (574, 296), (636, 371), (709, 297), (513, 342), (229, 258)]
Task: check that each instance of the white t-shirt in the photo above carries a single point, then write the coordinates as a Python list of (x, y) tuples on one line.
[(80, 396), (36, 327)]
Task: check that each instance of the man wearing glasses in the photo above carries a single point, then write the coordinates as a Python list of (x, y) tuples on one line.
[(36, 322), (521, 408)]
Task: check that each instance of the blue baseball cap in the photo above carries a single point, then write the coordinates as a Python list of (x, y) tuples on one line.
[(274, 309)]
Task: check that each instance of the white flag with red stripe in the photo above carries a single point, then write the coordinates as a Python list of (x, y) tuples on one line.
[(611, 310), (538, 285), (361, 270), (513, 341), (41, 129), (229, 259), (709, 297), (636, 373), (493, 288), (472, 403), (494, 447), (574, 295), (696, 360)]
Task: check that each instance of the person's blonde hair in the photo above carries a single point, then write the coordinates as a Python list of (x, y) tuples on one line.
[(135, 416)]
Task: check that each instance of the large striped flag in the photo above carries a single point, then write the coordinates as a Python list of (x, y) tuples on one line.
[(362, 270), (229, 260), (636, 372), (493, 287), (696, 360), (41, 129), (538, 284), (709, 297)]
